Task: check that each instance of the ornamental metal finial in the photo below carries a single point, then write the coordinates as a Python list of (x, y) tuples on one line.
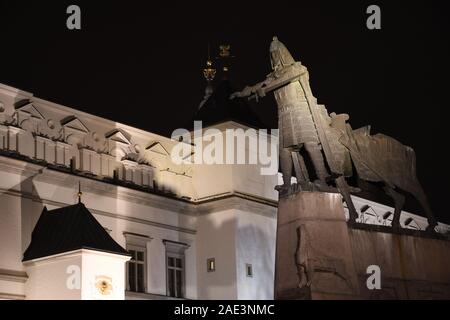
[(209, 72), (79, 192), (225, 56)]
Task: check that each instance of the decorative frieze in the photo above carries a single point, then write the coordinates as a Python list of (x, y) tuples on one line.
[(147, 175), (44, 149), (129, 168), (73, 130), (89, 161), (107, 165), (53, 134), (3, 137), (14, 138), (62, 153)]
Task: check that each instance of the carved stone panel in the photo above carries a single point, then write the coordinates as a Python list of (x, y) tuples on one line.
[(313, 258)]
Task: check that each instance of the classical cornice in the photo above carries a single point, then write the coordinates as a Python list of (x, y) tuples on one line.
[(99, 187), (23, 168), (226, 201), (35, 198), (237, 201), (10, 296), (13, 275)]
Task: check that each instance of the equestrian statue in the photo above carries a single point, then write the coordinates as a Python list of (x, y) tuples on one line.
[(308, 134)]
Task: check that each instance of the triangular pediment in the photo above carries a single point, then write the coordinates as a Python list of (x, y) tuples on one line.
[(27, 107), (74, 123), (157, 147), (119, 135)]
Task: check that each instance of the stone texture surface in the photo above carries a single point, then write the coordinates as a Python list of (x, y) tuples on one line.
[(314, 257), (412, 267), (319, 256)]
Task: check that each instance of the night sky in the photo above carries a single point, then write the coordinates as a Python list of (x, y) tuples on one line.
[(141, 64)]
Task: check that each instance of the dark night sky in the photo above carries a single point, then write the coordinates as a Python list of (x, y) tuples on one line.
[(140, 64)]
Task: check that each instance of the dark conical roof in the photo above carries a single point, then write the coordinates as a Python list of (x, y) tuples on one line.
[(67, 229), (219, 108)]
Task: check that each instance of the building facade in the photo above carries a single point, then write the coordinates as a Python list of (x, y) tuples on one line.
[(193, 231)]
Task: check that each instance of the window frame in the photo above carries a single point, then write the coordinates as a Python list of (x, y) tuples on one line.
[(208, 265), (175, 269), (176, 250), (249, 266), (137, 242)]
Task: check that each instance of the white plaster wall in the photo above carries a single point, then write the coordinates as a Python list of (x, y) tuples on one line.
[(47, 279), (10, 234), (223, 180), (216, 238), (249, 178), (256, 236), (106, 198), (191, 279), (96, 264), (8, 287), (156, 252), (228, 178), (17, 219), (18, 216)]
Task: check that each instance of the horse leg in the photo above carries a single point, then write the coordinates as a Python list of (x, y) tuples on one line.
[(345, 192), (399, 201), (299, 167), (286, 166), (419, 194), (315, 153)]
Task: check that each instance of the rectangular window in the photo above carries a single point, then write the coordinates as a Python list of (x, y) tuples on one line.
[(249, 270), (176, 270), (136, 269), (211, 264), (175, 275)]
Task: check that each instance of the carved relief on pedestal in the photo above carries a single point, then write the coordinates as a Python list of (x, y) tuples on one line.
[(318, 270)]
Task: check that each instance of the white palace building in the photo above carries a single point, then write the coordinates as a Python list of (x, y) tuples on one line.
[(143, 228)]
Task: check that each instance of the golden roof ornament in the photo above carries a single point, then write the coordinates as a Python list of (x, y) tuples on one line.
[(224, 51), (225, 56), (209, 72)]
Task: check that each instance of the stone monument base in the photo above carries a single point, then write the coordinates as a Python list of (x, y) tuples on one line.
[(314, 256)]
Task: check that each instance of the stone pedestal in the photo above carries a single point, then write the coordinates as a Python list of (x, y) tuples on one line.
[(313, 256)]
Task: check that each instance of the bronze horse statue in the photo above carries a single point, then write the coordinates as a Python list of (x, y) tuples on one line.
[(380, 158)]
